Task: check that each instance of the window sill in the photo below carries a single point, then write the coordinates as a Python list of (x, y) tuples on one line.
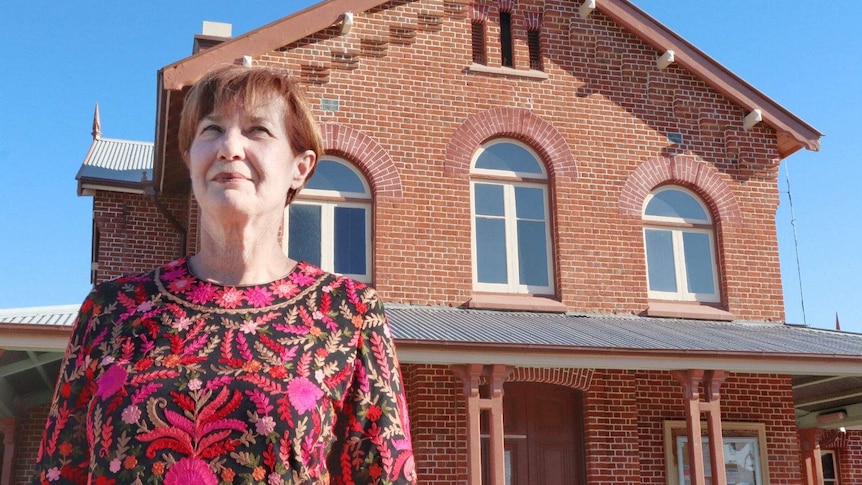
[(510, 302), (507, 71), (691, 310)]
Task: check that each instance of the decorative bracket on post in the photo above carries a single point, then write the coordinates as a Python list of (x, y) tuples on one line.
[(691, 381)]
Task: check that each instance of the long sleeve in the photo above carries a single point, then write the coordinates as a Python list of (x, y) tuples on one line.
[(63, 456), (374, 442)]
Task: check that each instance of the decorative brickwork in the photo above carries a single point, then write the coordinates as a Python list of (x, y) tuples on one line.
[(367, 154), (573, 378), (687, 171), (520, 124)]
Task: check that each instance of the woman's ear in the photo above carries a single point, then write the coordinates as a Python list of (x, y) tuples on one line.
[(303, 164)]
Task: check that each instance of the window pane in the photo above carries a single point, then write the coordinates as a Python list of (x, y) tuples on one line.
[(510, 157), (532, 253), (662, 271), (491, 250), (698, 262), (675, 203), (349, 240), (304, 233), (489, 200), (332, 175), (529, 203), (828, 461)]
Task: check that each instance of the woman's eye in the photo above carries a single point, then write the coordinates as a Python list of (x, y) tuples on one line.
[(211, 128), (260, 129)]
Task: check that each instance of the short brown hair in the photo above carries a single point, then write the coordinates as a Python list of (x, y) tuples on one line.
[(244, 87)]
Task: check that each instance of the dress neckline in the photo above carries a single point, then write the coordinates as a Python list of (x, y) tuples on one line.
[(176, 282)]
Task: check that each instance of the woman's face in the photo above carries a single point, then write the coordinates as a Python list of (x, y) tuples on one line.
[(241, 163)]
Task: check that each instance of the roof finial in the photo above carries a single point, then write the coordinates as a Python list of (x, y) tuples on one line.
[(837, 322), (97, 125)]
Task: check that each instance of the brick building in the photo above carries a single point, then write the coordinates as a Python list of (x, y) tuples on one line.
[(569, 211)]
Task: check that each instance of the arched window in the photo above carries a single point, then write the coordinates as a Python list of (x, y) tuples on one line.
[(679, 239), (329, 223), (511, 229)]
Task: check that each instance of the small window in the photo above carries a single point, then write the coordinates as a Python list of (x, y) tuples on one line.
[(511, 228), (329, 223), (830, 467), (679, 244), (534, 43), (478, 38), (506, 48)]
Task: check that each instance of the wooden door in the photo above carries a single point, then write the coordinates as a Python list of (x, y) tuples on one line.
[(544, 434)]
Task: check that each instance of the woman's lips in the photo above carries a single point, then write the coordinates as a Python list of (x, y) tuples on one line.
[(227, 177)]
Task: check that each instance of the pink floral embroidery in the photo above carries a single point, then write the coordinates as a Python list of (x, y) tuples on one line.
[(190, 471), (181, 285), (258, 297), (284, 288), (203, 293), (111, 381), (182, 324), (248, 326), (131, 414), (265, 425), (303, 394), (229, 298), (301, 279)]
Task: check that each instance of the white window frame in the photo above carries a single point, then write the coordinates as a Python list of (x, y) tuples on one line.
[(678, 227), (328, 201), (509, 180)]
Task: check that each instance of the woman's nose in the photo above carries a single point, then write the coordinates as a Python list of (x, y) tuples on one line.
[(231, 146)]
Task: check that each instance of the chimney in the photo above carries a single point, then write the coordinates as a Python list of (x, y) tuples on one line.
[(213, 33)]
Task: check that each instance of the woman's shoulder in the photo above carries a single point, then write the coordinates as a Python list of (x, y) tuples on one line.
[(338, 285), (132, 283)]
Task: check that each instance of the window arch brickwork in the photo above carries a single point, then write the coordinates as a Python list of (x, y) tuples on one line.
[(684, 169), (367, 155), (517, 123)]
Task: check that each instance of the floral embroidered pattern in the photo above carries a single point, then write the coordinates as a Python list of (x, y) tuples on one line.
[(172, 380)]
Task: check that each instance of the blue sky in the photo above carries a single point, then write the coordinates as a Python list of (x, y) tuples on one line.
[(60, 58)]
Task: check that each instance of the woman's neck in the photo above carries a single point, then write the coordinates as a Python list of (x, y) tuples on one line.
[(240, 254)]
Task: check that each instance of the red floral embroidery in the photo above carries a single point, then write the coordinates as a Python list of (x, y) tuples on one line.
[(183, 381)]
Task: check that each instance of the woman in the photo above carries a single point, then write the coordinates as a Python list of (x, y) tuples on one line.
[(237, 364)]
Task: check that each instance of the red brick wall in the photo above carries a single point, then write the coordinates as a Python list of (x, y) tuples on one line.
[(134, 235), (610, 106), (850, 459), (28, 432), (438, 423)]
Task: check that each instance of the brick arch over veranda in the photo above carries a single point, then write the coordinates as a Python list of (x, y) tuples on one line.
[(517, 123), (367, 155), (579, 379), (683, 170)]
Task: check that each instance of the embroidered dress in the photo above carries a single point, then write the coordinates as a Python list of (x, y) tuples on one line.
[(171, 380)]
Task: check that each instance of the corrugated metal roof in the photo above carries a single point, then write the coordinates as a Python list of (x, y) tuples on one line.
[(59, 315), (118, 160), (440, 324)]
